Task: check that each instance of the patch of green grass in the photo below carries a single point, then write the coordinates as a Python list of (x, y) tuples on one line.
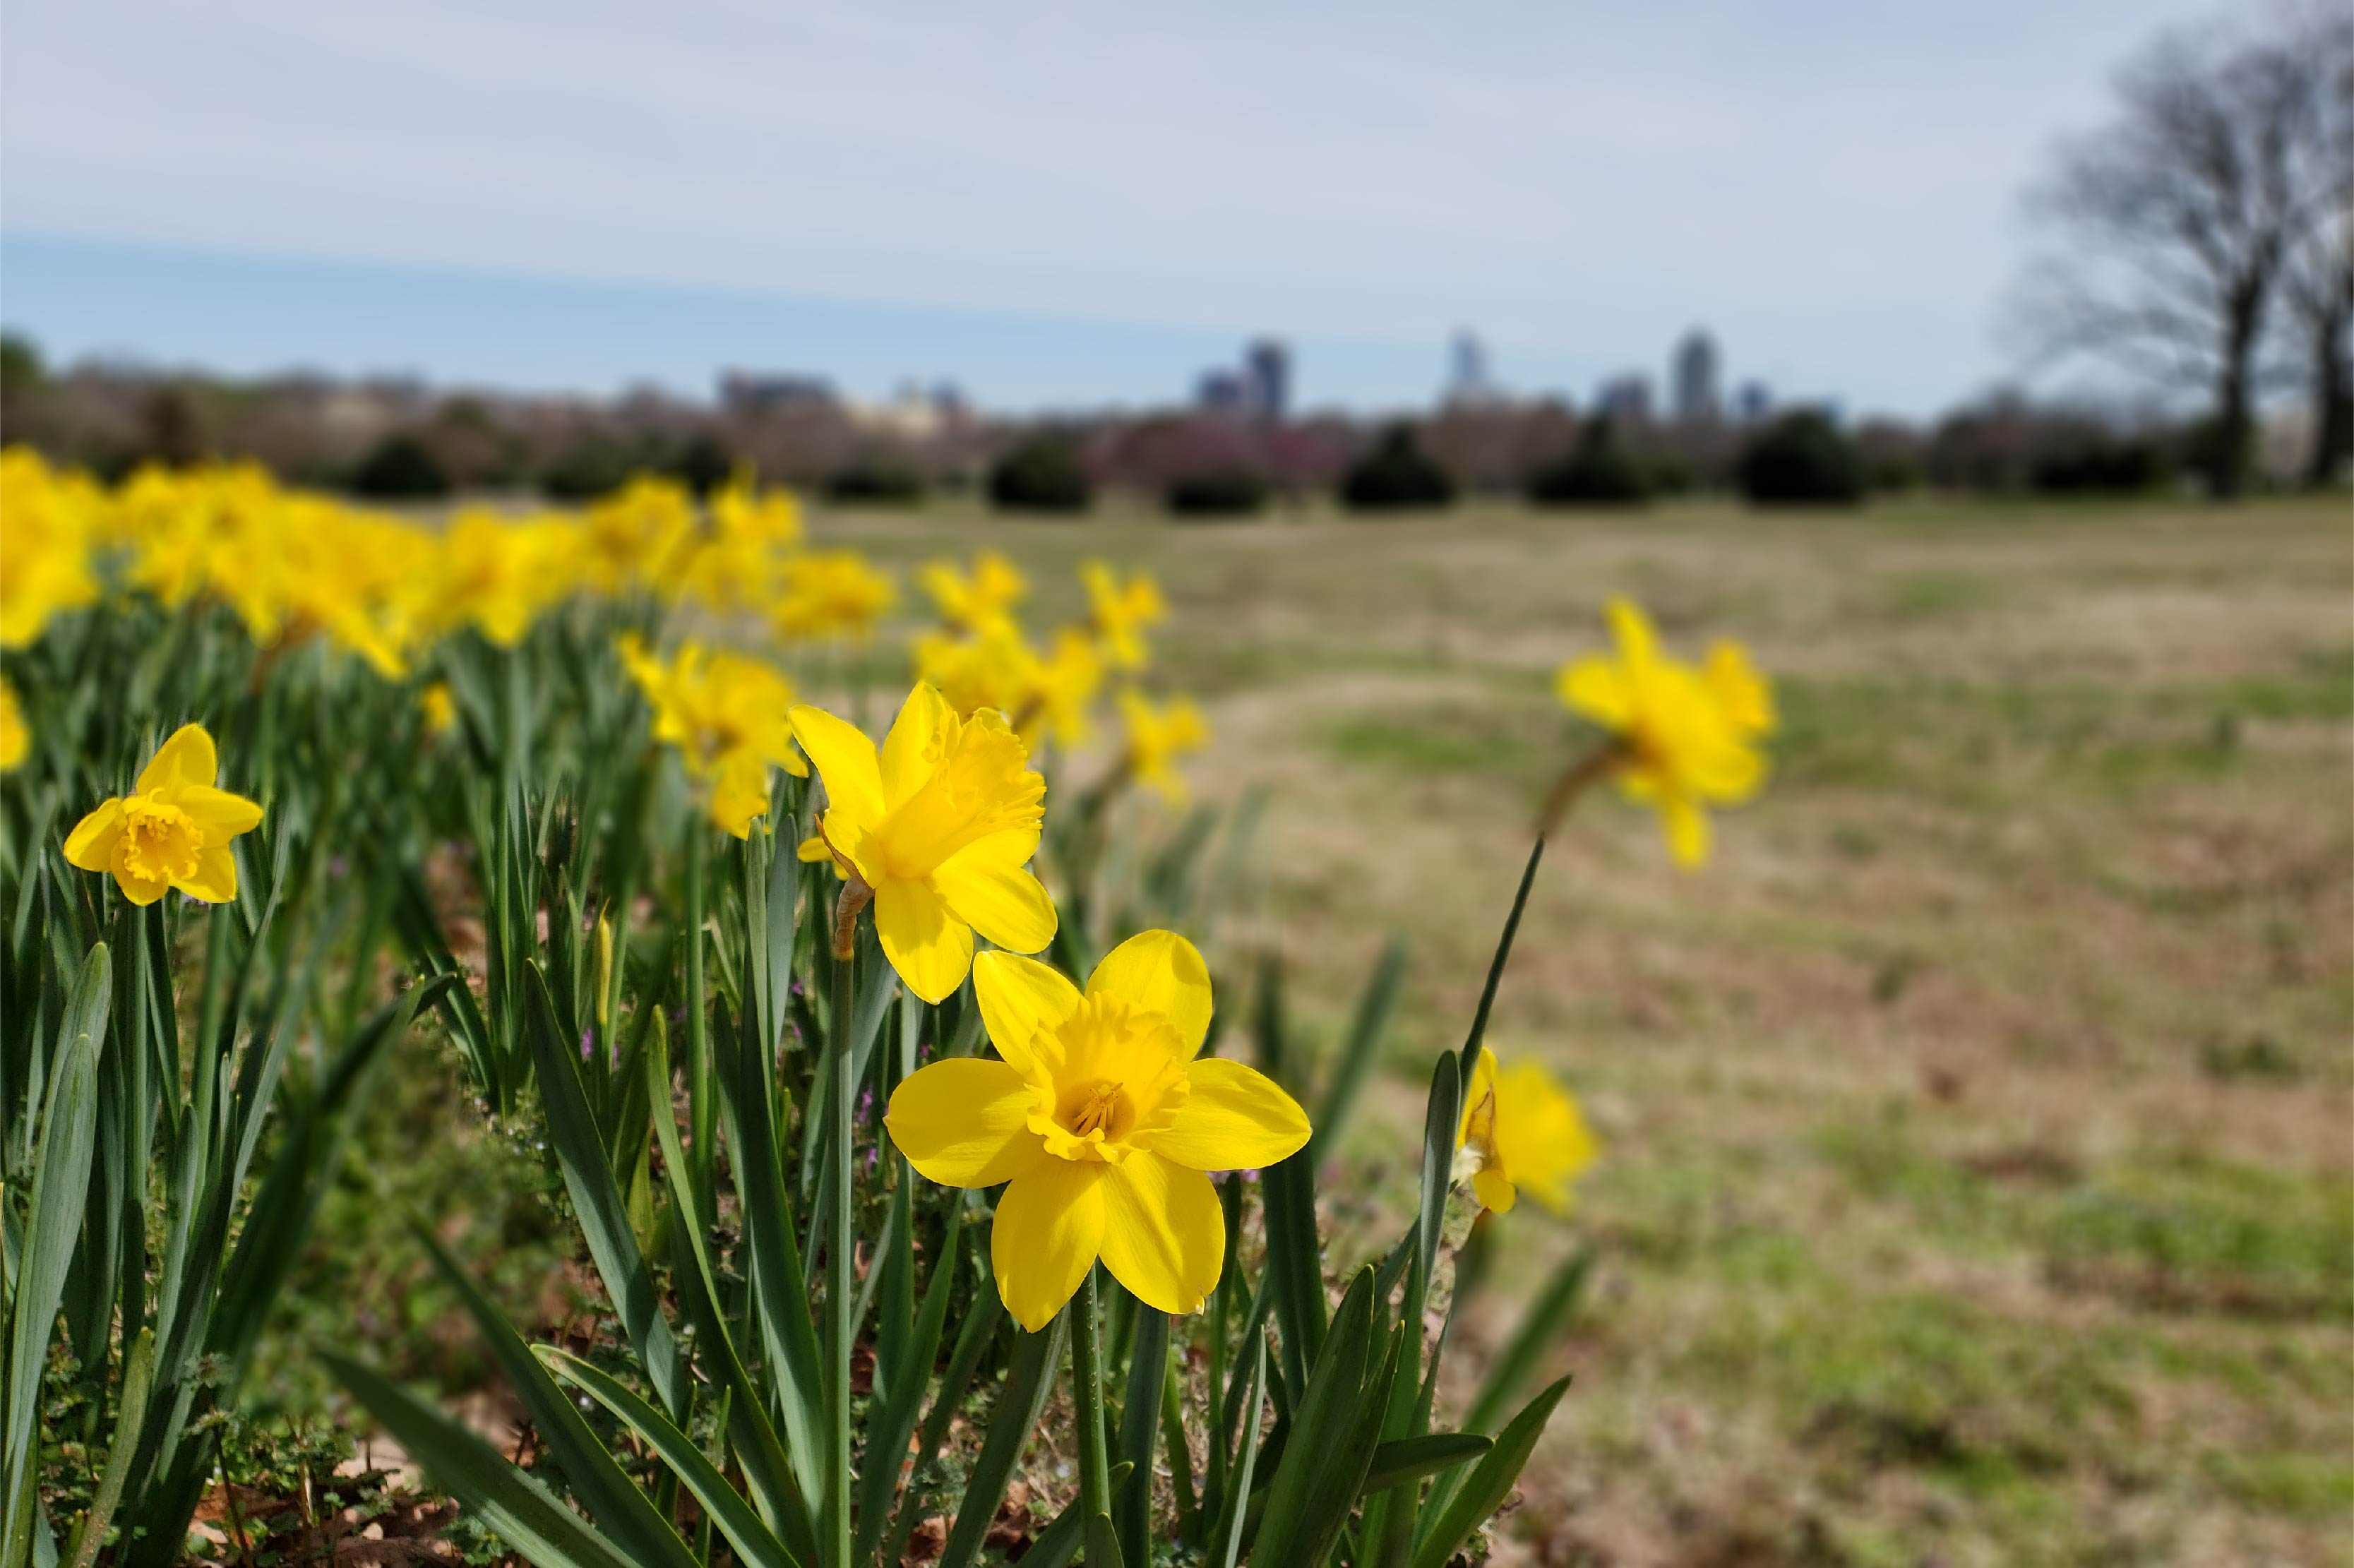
[(1921, 596), (2317, 1487), (1450, 738)]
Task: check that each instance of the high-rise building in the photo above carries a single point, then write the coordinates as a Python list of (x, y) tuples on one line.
[(1220, 392), (1266, 379), (1693, 377), (1624, 400), (1752, 403), (1467, 378)]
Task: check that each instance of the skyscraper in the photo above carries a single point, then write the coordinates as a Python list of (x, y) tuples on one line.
[(1693, 377), (1266, 379), (1467, 381)]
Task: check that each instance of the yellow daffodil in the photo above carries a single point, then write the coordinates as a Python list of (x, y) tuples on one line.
[(1040, 697), (499, 572), (45, 549), (172, 830), (975, 602), (1119, 612), (735, 560), (1102, 1119), (1522, 1131), (15, 735), (1685, 739), (1157, 738), (729, 717), (628, 536), (833, 593), (440, 708), (941, 824)]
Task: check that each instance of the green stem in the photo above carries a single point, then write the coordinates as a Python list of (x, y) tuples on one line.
[(702, 1104), (840, 1286), (1086, 1379)]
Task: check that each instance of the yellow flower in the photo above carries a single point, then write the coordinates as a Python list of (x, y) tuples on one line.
[(998, 669), (833, 593), (1119, 612), (1102, 1118), (629, 535), (171, 831), (45, 548), (941, 824), (1157, 738), (15, 737), (1686, 738), (978, 602), (500, 574), (440, 708), (729, 717), (1521, 1130), (733, 563)]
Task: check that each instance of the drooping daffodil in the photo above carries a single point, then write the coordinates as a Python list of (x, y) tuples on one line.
[(1157, 738), (1520, 1131), (171, 831), (1103, 1119), (1686, 738), (939, 824)]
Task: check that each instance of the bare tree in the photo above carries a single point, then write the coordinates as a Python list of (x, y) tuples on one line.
[(2318, 275), (2173, 224)]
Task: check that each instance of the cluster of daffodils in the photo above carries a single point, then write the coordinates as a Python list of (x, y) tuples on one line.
[(978, 657), (293, 565)]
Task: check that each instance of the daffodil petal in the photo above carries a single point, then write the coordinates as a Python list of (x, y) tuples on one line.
[(912, 748), (186, 758), (930, 948), (846, 760), (964, 1122), (1019, 997), (1048, 1231), (1594, 687), (1164, 1237), (90, 845), (813, 849), (1687, 829), (1494, 1191), (1002, 900), (215, 881), (1161, 972), (217, 811), (139, 890), (1480, 1090), (1631, 628), (1234, 1118)]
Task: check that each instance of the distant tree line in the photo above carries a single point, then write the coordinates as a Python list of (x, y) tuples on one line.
[(397, 441)]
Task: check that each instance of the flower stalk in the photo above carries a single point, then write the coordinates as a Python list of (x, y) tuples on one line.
[(1587, 771), (1086, 1382), (840, 1285)]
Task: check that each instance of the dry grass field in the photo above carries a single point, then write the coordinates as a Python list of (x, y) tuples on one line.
[(1979, 1173)]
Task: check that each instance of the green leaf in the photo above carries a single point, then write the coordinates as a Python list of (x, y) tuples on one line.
[(1226, 1540), (1329, 1413), (892, 1416), (1411, 1459), (522, 1511), (608, 1495), (1020, 1401), (138, 1371), (1139, 1422), (597, 1200), (752, 1540), (60, 1202), (1055, 1546), (1489, 1483)]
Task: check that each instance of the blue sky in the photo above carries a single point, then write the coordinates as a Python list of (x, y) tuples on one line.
[(1051, 205)]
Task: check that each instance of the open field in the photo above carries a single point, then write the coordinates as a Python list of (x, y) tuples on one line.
[(1979, 1155)]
